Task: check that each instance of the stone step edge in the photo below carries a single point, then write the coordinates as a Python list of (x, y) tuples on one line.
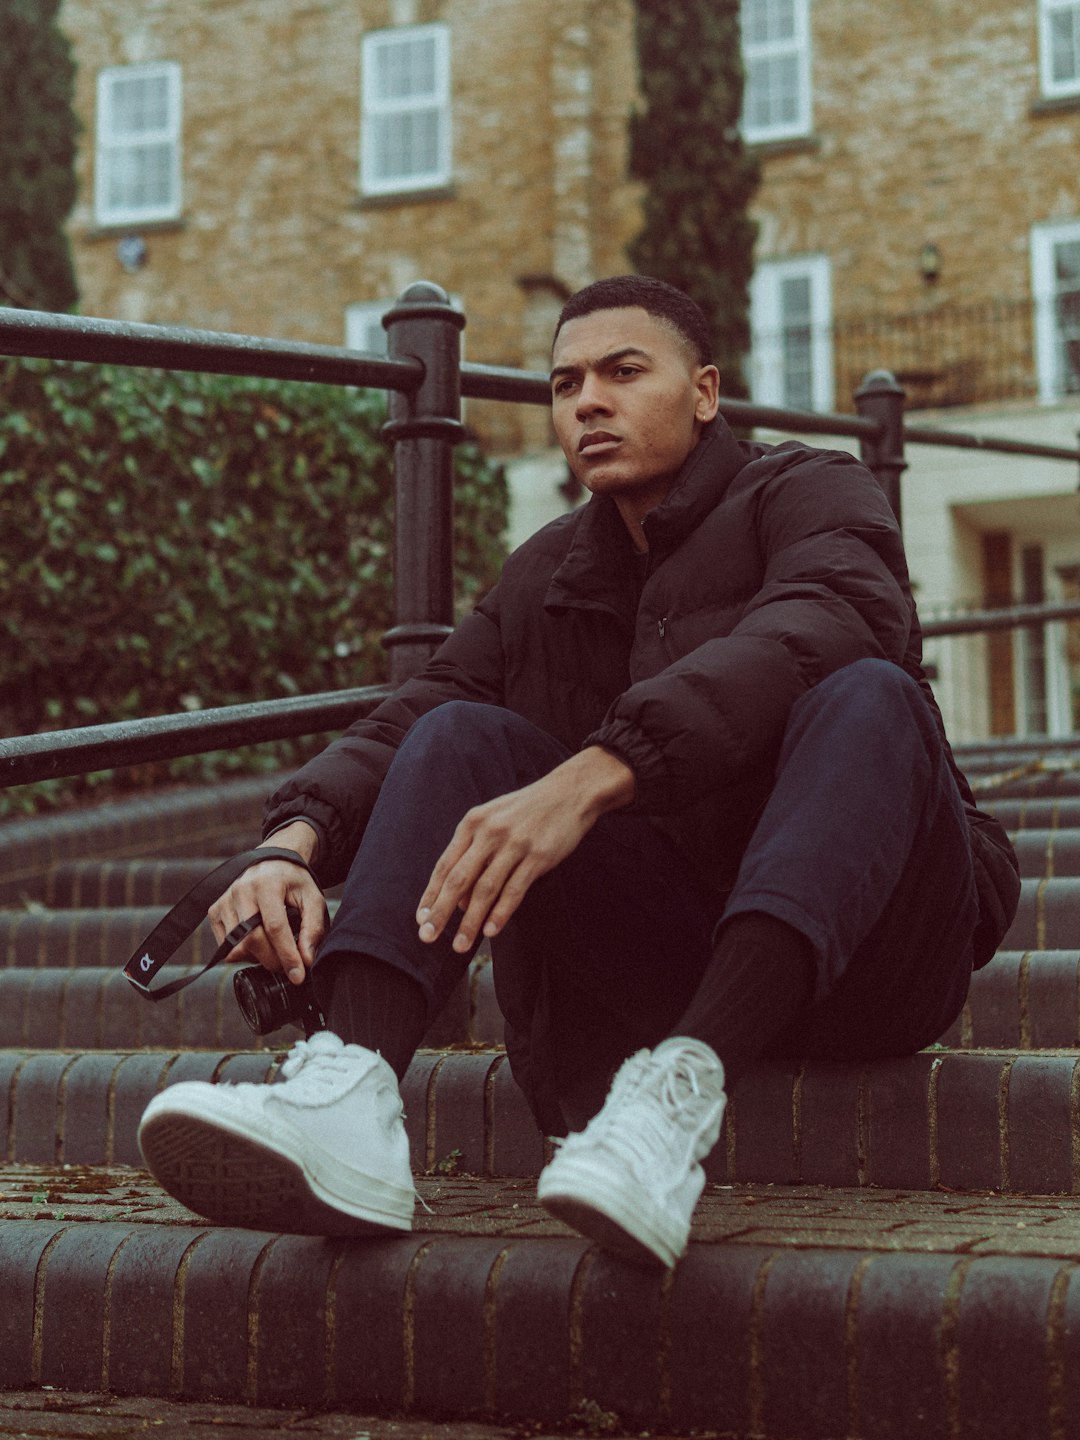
[(959, 1120), (95, 1008), (1047, 918), (1023, 1000), (177, 821), (741, 1339)]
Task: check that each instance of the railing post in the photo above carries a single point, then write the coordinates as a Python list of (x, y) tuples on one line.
[(880, 397), (424, 427)]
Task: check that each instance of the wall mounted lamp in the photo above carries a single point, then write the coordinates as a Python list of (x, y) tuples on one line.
[(930, 262)]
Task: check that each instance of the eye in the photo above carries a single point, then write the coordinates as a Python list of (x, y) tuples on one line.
[(627, 370), (563, 387)]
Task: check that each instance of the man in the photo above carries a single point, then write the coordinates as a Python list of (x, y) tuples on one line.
[(681, 767)]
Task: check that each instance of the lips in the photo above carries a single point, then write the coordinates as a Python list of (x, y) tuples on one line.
[(595, 439)]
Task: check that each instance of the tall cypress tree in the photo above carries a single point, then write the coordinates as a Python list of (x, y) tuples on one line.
[(37, 157), (686, 145)]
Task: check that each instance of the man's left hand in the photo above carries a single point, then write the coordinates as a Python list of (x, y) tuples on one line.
[(502, 846)]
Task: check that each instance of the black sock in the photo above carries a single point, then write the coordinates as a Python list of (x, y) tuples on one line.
[(372, 1003), (760, 977)]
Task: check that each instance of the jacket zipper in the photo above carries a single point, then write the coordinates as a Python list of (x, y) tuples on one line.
[(661, 626)]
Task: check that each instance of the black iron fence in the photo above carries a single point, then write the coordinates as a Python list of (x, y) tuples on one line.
[(426, 382), (945, 354)]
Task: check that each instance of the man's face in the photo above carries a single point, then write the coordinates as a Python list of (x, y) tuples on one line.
[(628, 403)]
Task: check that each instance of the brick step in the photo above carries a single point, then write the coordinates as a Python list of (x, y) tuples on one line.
[(1047, 917), (1022, 779), (93, 1007), (124, 884), (128, 884), (796, 1313), (965, 1120), (95, 883), (1022, 1000), (218, 819), (37, 938), (1047, 852), (1037, 813)]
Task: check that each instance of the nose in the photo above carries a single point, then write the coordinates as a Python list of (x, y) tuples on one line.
[(592, 398)]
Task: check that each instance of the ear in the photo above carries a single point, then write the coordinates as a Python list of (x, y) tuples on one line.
[(708, 394)]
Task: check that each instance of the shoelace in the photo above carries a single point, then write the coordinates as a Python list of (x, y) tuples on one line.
[(308, 1065), (662, 1088)]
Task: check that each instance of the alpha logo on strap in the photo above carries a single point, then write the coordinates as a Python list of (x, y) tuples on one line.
[(187, 915)]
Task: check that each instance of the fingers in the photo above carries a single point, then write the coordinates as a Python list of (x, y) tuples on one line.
[(485, 872), (266, 890)]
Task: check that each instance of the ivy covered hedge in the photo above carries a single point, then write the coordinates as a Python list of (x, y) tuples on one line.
[(170, 541)]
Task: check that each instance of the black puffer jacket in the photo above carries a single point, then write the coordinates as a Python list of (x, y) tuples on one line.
[(769, 567)]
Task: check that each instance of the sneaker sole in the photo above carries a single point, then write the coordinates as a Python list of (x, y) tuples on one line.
[(606, 1232), (599, 1212), (234, 1179)]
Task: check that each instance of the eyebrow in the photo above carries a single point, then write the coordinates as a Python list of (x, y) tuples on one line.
[(611, 358)]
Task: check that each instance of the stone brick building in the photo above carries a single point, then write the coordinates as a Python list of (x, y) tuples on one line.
[(326, 153), (286, 167)]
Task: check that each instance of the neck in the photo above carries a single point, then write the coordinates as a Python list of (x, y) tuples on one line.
[(632, 516)]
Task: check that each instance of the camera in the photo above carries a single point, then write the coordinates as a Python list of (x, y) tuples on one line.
[(268, 1000)]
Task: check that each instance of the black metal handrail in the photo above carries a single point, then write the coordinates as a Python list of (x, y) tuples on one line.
[(58, 753), (1009, 617), (425, 380)]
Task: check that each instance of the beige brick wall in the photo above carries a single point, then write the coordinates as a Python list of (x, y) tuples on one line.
[(927, 127), (274, 237)]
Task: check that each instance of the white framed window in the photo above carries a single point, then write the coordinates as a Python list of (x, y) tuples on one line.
[(137, 164), (405, 141), (791, 328), (776, 59), (364, 327), (1055, 287), (1059, 47)]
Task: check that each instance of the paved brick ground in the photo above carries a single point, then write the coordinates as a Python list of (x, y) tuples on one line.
[(52, 1415), (939, 1222)]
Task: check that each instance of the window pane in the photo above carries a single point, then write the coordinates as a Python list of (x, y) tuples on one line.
[(406, 69), (772, 92), (407, 145), (775, 57), (1067, 313), (139, 103), (795, 307), (1064, 60), (765, 22), (140, 177)]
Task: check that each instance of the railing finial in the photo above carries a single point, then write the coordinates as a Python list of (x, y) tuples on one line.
[(424, 427), (880, 398)]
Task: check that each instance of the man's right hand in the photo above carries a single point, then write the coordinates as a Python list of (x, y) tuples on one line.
[(266, 889)]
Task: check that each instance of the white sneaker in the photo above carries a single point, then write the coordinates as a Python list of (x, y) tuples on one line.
[(631, 1179), (323, 1151)]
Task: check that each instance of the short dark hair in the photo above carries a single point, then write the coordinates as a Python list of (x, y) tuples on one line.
[(656, 297)]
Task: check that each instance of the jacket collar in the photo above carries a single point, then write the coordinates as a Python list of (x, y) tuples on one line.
[(595, 569)]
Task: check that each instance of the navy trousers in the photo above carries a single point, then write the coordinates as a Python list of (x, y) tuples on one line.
[(861, 845)]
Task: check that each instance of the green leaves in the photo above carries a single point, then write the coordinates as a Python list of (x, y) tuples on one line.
[(155, 547), (686, 145), (38, 130)]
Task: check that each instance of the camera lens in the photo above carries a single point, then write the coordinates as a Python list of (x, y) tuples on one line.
[(267, 1001), (264, 999)]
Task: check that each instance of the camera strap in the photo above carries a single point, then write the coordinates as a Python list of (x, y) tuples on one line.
[(188, 914)]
